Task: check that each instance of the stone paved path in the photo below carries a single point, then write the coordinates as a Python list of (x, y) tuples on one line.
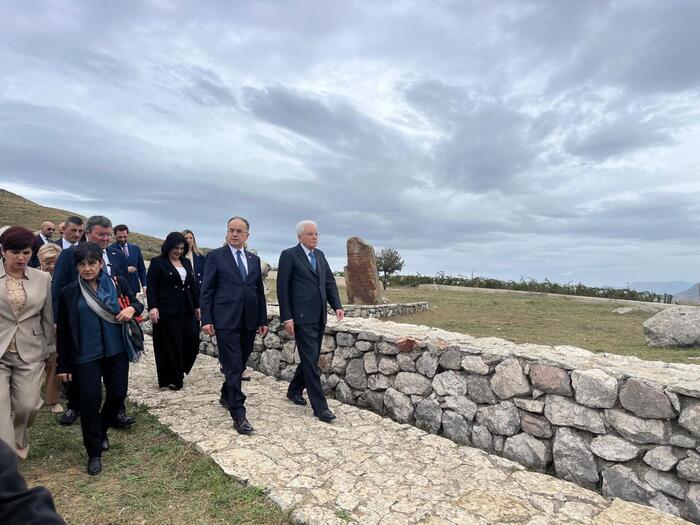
[(364, 468)]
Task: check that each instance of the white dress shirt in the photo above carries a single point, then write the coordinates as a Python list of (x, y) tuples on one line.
[(65, 244), (108, 265)]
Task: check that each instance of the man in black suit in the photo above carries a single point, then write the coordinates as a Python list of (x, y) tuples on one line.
[(43, 237), (305, 284), (72, 231), (98, 229), (233, 307)]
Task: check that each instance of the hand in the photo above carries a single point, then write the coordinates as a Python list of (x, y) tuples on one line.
[(65, 377), (197, 314), (126, 314), (340, 314), (131, 269), (153, 315), (289, 326), (208, 329), (262, 330)]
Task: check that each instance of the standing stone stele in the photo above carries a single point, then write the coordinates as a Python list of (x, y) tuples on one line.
[(361, 275)]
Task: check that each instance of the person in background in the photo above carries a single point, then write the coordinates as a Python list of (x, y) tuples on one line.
[(173, 302), (72, 231), (91, 349), (26, 330), (60, 227), (98, 230), (195, 256), (47, 255), (136, 268), (43, 237)]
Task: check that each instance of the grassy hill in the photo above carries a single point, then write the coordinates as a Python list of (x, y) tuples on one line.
[(15, 209)]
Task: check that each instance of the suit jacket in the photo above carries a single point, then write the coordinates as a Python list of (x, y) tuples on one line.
[(68, 325), (65, 273), (227, 301), (34, 261), (134, 259), (302, 293), (19, 504), (198, 268), (33, 328), (166, 290)]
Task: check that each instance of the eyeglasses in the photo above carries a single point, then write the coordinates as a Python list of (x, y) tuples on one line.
[(239, 232), (311, 234)]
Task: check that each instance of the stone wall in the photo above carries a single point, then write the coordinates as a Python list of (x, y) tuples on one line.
[(379, 311), (626, 427)]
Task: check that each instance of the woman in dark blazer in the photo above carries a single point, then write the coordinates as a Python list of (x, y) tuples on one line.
[(92, 350), (173, 302), (195, 256)]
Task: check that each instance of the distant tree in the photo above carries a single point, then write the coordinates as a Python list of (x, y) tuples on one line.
[(389, 261)]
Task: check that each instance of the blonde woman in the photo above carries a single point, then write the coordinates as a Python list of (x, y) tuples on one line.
[(47, 255), (195, 256)]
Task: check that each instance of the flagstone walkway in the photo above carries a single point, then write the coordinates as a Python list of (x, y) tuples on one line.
[(363, 468)]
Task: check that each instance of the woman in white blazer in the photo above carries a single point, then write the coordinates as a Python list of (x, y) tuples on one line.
[(26, 330)]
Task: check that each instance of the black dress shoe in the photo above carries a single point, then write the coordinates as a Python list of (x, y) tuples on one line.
[(173, 386), (242, 426), (326, 416), (94, 466), (105, 444), (123, 421), (68, 417), (297, 399)]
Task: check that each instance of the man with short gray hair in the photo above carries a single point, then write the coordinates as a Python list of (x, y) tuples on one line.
[(305, 283)]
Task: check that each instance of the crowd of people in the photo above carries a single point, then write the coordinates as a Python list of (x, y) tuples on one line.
[(66, 306)]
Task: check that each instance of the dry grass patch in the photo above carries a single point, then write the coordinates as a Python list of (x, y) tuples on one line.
[(150, 477)]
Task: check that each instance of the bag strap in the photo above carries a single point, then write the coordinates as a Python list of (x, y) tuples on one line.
[(95, 304)]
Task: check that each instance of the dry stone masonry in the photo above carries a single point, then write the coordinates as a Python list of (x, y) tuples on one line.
[(626, 427)]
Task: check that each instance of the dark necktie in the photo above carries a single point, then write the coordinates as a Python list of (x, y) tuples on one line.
[(312, 258), (125, 249), (241, 266)]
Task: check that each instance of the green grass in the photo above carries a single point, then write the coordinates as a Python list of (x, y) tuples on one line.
[(534, 318), (150, 477)]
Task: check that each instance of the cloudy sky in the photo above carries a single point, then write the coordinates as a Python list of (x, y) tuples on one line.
[(539, 139)]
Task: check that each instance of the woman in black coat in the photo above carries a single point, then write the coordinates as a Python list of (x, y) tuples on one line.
[(173, 302)]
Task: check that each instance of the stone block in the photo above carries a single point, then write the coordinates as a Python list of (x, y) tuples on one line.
[(636, 429), (692, 502), (667, 483), (529, 405), (270, 362), (594, 388), (455, 427), (406, 362), (372, 400), (563, 411), (368, 336), (324, 363), (481, 438), (573, 459), (427, 364), (646, 400), (536, 426), (473, 364), (666, 504), (663, 458), (462, 405), (348, 352), (272, 340), (364, 346), (412, 384), (406, 344), (355, 375), (502, 418), (535, 454), (509, 380), (428, 415), (398, 406), (338, 364), (451, 359), (344, 393), (388, 366), (479, 390), (385, 348), (550, 379), (379, 382), (345, 339), (614, 448), (622, 482), (450, 383), (370, 361), (689, 468), (690, 417)]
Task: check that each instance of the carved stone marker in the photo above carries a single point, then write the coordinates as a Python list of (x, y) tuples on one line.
[(361, 275)]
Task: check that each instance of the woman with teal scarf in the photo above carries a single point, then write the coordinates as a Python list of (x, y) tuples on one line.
[(91, 349)]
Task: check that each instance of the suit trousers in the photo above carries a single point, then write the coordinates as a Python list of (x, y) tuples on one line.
[(307, 375), (95, 417), (20, 398), (235, 346)]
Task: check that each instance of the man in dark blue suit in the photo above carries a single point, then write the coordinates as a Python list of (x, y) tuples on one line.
[(305, 284), (43, 237), (98, 229), (136, 268), (233, 307)]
